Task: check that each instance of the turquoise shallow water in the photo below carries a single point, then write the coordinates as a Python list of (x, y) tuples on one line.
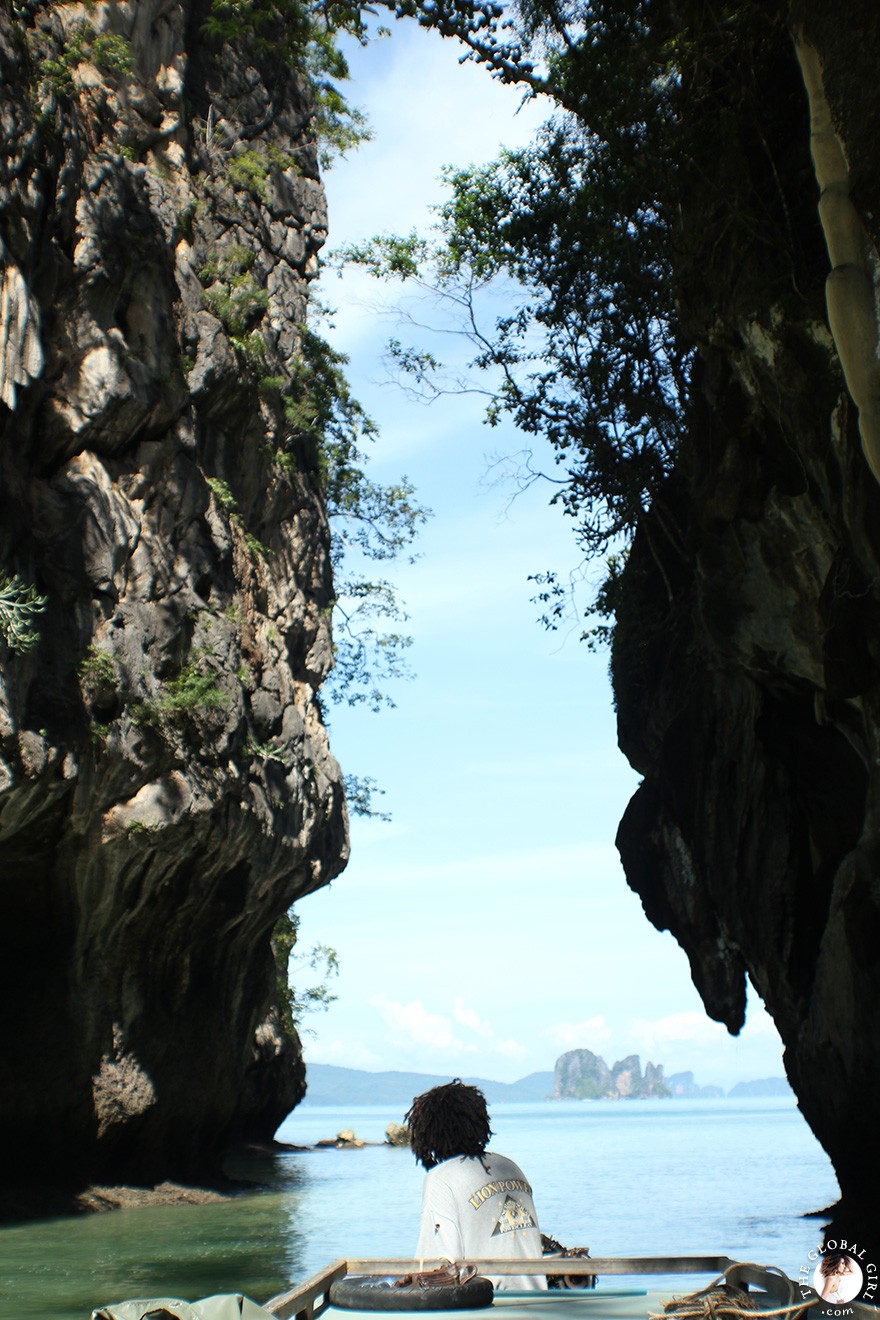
[(625, 1178)]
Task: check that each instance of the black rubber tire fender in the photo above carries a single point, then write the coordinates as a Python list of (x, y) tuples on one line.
[(365, 1293)]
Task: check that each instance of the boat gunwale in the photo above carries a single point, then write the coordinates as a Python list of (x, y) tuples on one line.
[(310, 1299)]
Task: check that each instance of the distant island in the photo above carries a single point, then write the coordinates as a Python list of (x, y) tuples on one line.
[(583, 1075), (331, 1085), (682, 1085)]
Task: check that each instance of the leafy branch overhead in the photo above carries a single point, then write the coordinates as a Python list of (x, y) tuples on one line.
[(591, 359), (593, 225)]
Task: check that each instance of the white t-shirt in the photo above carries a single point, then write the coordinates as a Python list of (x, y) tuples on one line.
[(480, 1207)]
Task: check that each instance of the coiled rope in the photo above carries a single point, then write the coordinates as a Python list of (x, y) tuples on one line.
[(723, 1300)]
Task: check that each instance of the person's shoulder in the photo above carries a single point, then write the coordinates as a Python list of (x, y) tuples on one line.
[(502, 1166), (450, 1173), (455, 1162), (461, 1167)]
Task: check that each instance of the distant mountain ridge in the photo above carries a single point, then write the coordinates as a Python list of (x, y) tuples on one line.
[(765, 1086), (328, 1084)]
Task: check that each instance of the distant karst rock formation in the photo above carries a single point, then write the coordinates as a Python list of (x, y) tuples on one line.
[(682, 1085), (166, 784), (582, 1075)]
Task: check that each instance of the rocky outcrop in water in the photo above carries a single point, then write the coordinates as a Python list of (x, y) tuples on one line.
[(682, 1086), (582, 1075), (747, 664), (166, 786)]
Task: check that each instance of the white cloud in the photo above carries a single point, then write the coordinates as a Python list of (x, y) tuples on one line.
[(469, 1017), (511, 1049), (692, 1041), (676, 1028), (698, 1030), (580, 1035), (759, 1025), (413, 1023), (346, 1053)]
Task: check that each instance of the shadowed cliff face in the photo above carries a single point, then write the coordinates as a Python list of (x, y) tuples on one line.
[(166, 786), (747, 662)]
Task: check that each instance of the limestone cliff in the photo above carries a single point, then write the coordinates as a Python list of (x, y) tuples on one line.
[(582, 1075), (747, 660), (166, 786)]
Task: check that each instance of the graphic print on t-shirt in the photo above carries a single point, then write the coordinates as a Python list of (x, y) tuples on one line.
[(500, 1185), (513, 1215)]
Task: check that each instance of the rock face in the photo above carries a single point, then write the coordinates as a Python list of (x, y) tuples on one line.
[(747, 662), (682, 1086), (582, 1075), (166, 786)]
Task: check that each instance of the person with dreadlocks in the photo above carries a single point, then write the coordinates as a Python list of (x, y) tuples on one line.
[(474, 1203)]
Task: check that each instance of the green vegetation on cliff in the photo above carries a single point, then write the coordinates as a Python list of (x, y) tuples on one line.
[(325, 429), (20, 604), (305, 38), (184, 496)]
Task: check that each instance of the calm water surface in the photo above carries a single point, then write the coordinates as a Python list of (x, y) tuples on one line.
[(641, 1178)]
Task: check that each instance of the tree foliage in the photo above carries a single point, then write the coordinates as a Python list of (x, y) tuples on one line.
[(655, 171), (320, 959), (370, 522), (304, 35), (641, 182)]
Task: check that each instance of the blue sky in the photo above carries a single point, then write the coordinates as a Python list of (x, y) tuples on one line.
[(488, 927)]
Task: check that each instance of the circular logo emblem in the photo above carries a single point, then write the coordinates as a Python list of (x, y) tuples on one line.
[(838, 1278), (841, 1274)]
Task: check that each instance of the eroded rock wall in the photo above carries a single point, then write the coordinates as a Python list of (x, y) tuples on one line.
[(166, 785), (747, 662)]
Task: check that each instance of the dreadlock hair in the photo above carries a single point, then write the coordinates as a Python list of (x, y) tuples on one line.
[(447, 1121)]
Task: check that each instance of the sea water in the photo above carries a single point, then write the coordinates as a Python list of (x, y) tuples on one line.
[(648, 1177)]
